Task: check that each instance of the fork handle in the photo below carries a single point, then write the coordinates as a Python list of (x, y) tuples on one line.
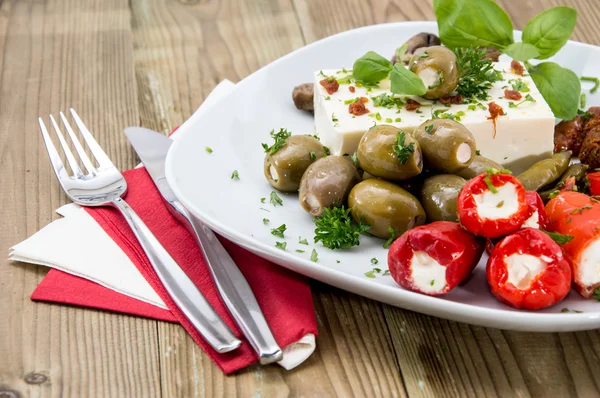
[(179, 286)]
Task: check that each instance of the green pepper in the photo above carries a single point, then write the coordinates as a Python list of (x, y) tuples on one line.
[(577, 170), (478, 166), (545, 171)]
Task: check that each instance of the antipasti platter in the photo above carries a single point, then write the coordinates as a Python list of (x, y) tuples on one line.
[(443, 167)]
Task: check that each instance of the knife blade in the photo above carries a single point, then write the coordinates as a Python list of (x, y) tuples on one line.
[(152, 148)]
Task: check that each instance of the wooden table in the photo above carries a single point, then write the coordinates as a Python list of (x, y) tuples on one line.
[(151, 63)]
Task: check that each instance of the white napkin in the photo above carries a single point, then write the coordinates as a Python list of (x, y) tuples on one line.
[(76, 244)]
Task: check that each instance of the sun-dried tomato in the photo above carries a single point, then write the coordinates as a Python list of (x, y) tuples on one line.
[(512, 94), (452, 99), (495, 111), (412, 105), (358, 108), (516, 67), (330, 84)]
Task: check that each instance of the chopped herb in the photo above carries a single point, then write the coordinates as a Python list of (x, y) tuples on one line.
[(280, 137), (460, 113), (500, 204), (472, 107), (374, 261), (595, 80), (262, 200), (281, 245), (386, 272), (519, 85), (392, 231), (208, 149), (437, 112), (265, 221), (378, 116), (432, 282), (336, 229), (439, 81), (553, 194), (569, 220), (279, 231), (268, 211), (568, 310), (275, 199), (528, 98), (480, 105), (313, 156), (370, 274), (355, 158), (488, 182), (580, 210), (314, 256), (387, 101), (327, 98), (302, 241), (582, 100), (333, 118), (559, 238), (429, 128), (327, 151), (478, 152), (398, 120), (350, 101), (321, 73), (401, 150), (597, 293), (476, 73), (418, 111), (299, 251), (388, 120), (235, 175)]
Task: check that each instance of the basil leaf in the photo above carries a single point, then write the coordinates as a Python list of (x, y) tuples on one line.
[(559, 86), (473, 23), (406, 82), (550, 30), (522, 51), (371, 68), (400, 51)]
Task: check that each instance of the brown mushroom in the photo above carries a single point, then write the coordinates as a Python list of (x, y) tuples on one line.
[(419, 40), (303, 96), (492, 54)]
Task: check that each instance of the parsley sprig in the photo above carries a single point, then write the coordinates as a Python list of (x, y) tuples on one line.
[(402, 150), (280, 137), (476, 73), (337, 230)]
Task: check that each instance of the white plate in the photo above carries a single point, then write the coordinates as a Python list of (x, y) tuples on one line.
[(236, 126)]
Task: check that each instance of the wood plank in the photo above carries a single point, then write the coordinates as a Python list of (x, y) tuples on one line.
[(181, 52), (58, 54)]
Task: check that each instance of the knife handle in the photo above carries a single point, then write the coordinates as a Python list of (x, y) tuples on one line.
[(179, 286), (234, 290)]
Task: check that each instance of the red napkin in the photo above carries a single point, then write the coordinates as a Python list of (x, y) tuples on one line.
[(284, 297)]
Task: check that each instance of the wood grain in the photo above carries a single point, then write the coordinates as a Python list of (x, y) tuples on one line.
[(56, 55), (152, 62)]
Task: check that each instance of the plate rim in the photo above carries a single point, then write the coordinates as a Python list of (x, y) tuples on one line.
[(393, 295)]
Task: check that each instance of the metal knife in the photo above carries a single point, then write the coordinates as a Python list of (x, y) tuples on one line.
[(152, 148)]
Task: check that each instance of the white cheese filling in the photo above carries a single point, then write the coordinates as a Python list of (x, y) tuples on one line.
[(589, 264), (430, 77), (533, 221), (522, 269), (495, 206), (463, 153), (427, 274)]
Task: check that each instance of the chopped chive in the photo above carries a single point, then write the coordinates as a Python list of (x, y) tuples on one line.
[(265, 221), (208, 149), (314, 256), (595, 80), (302, 241)]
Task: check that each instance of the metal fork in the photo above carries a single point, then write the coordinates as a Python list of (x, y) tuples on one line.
[(105, 186)]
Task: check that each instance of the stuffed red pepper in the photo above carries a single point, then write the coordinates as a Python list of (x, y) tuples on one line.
[(575, 217), (594, 181), (536, 214), (433, 259), (492, 204), (528, 270)]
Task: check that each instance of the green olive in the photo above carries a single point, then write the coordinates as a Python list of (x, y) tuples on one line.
[(437, 67), (387, 152), (385, 207), (438, 196), (478, 166), (545, 171), (327, 183), (285, 168), (447, 145)]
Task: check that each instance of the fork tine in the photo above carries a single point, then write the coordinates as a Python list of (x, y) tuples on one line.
[(84, 157), (69, 155), (57, 164), (97, 151)]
